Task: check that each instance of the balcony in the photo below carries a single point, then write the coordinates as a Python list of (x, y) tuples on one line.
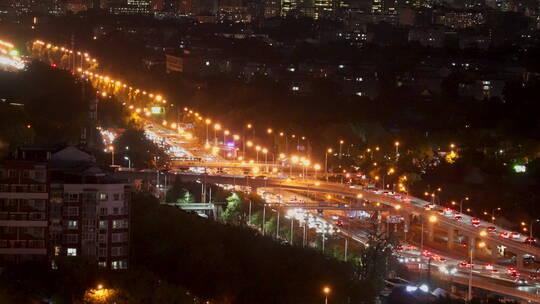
[(23, 219), (22, 247), (33, 244)]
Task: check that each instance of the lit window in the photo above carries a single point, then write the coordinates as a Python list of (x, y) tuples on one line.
[(295, 88), (119, 264), (72, 251), (359, 94), (103, 196), (72, 224)]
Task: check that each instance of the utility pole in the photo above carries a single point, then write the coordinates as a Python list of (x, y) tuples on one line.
[(249, 216), (277, 229)]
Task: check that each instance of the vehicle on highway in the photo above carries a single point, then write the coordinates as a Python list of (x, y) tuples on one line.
[(529, 240), (515, 235), (448, 212), (521, 281), (458, 218), (492, 229), (426, 253), (465, 264), (504, 235), (511, 269), (475, 222)]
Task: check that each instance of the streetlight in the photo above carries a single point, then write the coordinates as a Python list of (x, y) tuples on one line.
[(530, 226), (493, 213), (461, 204), (225, 134), (217, 127), (326, 290), (281, 134), (341, 142), (111, 148), (257, 148), (265, 152), (317, 167), (482, 244), (129, 161), (207, 122), (397, 148), (329, 150)]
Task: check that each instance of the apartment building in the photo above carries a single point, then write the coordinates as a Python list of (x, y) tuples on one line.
[(55, 201)]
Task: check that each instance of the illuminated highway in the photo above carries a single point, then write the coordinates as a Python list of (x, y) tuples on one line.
[(196, 147)]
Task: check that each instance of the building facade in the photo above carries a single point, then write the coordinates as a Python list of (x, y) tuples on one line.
[(57, 203)]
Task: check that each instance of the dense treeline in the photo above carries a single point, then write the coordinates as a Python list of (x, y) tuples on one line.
[(234, 264)]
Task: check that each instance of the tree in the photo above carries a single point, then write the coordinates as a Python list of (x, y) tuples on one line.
[(142, 152), (376, 258), (233, 212), (187, 199)]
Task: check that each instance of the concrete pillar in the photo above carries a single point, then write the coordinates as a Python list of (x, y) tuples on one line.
[(406, 225), (431, 231), (451, 237), (494, 253), (519, 261)]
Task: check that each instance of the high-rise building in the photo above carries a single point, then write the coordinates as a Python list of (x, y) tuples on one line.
[(377, 7), (56, 202), (386, 7), (272, 8), (288, 6), (24, 201), (132, 7)]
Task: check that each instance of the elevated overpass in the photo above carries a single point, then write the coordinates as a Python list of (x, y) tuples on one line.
[(223, 164), (410, 206)]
